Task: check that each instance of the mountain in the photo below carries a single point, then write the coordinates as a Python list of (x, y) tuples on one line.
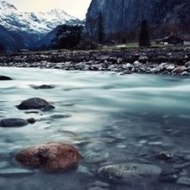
[(8, 41), (31, 26), (120, 20), (33, 22)]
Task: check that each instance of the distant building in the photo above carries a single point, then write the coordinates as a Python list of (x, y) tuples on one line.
[(171, 39), (186, 41)]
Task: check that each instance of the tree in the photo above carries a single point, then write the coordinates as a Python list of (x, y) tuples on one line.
[(100, 28), (68, 36), (144, 37)]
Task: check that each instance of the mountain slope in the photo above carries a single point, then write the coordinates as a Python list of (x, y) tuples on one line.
[(8, 41), (28, 27), (123, 17)]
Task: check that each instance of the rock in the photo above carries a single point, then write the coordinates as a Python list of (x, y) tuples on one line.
[(137, 64), (170, 67), (15, 122), (169, 178), (129, 173), (185, 73), (31, 120), (187, 64), (51, 157), (35, 103), (119, 60), (143, 58), (5, 78), (155, 70), (162, 65), (44, 86), (179, 69), (100, 184), (94, 157), (164, 156), (184, 181)]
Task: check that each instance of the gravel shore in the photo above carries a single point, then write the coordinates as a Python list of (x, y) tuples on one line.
[(171, 61)]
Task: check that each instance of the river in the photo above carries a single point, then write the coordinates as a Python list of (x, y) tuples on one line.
[(111, 118)]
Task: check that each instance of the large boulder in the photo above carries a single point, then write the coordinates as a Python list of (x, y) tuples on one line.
[(35, 103), (129, 173), (15, 122), (51, 157)]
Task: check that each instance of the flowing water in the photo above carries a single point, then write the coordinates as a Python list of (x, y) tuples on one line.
[(110, 118)]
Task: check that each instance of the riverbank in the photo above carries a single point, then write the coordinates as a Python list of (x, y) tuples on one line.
[(165, 60)]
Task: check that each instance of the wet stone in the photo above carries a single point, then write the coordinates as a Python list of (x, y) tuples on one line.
[(130, 173), (35, 103), (184, 181), (13, 122), (169, 178), (5, 78), (164, 156), (100, 184), (44, 86), (94, 157), (51, 157)]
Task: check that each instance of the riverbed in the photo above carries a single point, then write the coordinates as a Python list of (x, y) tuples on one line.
[(110, 118)]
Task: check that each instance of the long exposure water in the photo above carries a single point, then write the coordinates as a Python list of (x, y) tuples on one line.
[(110, 118)]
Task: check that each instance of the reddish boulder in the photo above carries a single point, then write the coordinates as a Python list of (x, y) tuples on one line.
[(51, 157)]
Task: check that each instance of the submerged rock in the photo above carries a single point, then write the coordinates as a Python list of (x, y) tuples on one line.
[(5, 78), (164, 156), (16, 122), (184, 181), (35, 103), (129, 173), (44, 86), (51, 157)]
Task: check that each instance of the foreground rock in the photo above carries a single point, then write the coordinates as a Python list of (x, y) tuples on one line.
[(5, 78), (130, 173), (35, 103), (51, 157), (16, 122)]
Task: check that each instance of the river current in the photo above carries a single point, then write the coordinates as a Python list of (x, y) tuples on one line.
[(110, 118)]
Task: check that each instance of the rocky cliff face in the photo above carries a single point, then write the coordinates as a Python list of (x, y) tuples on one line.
[(120, 19)]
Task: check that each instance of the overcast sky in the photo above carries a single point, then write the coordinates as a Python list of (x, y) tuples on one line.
[(76, 8)]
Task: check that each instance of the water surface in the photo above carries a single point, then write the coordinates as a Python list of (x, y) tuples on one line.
[(109, 117)]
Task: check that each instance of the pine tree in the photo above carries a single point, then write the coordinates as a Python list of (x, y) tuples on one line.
[(100, 28), (144, 37)]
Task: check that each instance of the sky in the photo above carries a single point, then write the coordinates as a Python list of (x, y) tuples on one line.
[(77, 8)]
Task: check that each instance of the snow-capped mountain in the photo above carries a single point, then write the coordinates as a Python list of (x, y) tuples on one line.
[(33, 22)]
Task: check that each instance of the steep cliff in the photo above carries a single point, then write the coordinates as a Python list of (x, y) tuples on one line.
[(120, 19)]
